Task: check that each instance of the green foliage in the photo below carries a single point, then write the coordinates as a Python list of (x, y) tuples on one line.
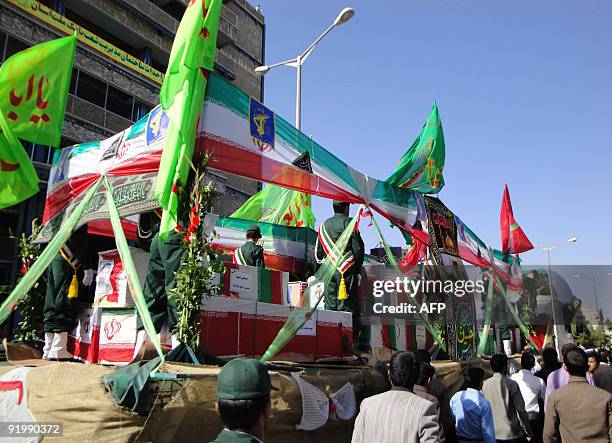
[(194, 279), (31, 305), (593, 338)]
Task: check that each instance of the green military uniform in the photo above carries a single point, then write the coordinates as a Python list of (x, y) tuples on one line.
[(164, 262), (335, 226), (251, 254), (227, 436), (60, 313)]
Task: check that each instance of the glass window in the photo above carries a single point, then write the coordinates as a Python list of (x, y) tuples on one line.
[(140, 110), (174, 8), (28, 146), (41, 154), (105, 33), (2, 41), (13, 46), (160, 66), (91, 89), (119, 102), (73, 81)]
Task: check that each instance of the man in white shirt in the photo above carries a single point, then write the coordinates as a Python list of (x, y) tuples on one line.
[(533, 391)]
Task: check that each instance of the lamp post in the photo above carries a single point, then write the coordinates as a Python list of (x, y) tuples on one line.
[(547, 249), (344, 16), (597, 277)]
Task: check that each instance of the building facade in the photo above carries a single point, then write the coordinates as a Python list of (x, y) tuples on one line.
[(123, 51)]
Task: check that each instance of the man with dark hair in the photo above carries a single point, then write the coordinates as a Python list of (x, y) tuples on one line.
[(472, 411), (578, 412), (397, 415), (551, 363), (602, 374), (243, 401), (424, 376), (560, 377), (251, 253), (605, 357), (511, 419), (533, 390), (440, 391)]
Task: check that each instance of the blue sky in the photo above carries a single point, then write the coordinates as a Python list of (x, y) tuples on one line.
[(524, 92)]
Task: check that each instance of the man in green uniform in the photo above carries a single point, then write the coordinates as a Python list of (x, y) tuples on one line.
[(329, 233), (251, 253), (243, 401), (61, 307), (161, 275)]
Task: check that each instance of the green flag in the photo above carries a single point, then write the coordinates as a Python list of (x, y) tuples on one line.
[(34, 89), (420, 168), (33, 92), (281, 206), (181, 97), (18, 179)]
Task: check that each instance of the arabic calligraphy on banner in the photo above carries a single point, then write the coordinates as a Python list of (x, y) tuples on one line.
[(466, 333), (60, 22)]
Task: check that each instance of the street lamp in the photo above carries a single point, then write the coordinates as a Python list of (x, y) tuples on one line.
[(547, 249), (597, 277), (344, 16)]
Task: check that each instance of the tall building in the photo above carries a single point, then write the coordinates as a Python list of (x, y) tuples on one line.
[(592, 317), (123, 51)]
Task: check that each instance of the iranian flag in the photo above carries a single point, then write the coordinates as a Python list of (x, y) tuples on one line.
[(286, 248), (248, 139)]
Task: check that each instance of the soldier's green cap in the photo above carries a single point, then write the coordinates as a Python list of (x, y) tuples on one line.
[(253, 231), (244, 379), (339, 202)]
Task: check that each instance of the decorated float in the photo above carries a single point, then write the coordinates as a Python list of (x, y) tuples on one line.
[(274, 314)]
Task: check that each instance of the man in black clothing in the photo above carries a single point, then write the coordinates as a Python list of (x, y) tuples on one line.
[(61, 306), (602, 374), (551, 363)]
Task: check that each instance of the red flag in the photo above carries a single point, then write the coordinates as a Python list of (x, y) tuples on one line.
[(514, 240), (416, 253)]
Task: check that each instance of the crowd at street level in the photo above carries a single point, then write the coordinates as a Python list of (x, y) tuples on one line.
[(569, 401)]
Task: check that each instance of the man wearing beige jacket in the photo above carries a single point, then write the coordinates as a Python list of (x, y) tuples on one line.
[(397, 415)]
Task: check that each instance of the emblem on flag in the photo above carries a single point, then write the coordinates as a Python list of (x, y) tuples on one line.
[(261, 121), (157, 124)]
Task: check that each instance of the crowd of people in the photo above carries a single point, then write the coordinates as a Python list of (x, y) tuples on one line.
[(551, 401), (569, 402)]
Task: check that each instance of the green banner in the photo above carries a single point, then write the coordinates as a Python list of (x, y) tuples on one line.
[(130, 270), (484, 335), (52, 249)]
